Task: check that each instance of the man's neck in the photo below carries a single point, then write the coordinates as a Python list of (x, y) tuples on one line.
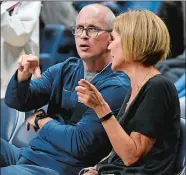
[(89, 75), (96, 65)]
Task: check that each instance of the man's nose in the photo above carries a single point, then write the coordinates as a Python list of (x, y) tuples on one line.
[(84, 34)]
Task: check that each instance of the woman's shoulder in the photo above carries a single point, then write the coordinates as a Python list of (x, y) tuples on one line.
[(161, 88), (160, 82)]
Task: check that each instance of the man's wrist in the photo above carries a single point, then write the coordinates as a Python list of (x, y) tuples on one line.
[(23, 76), (43, 121)]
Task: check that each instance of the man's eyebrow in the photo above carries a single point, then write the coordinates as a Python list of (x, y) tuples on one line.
[(79, 25), (90, 25)]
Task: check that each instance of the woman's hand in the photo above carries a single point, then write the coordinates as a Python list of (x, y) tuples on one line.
[(91, 97), (91, 172)]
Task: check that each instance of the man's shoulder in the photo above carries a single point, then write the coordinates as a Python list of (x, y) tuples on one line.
[(119, 74), (69, 63), (73, 61), (119, 79)]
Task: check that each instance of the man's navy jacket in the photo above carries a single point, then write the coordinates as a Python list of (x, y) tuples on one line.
[(75, 138)]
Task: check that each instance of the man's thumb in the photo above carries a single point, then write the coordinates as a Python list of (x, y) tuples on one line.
[(37, 72)]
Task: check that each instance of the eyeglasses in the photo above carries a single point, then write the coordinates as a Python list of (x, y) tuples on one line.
[(90, 31)]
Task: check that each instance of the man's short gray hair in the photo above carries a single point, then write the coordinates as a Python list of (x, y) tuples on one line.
[(109, 15), (109, 18)]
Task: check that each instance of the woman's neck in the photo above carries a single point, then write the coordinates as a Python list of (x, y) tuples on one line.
[(139, 75)]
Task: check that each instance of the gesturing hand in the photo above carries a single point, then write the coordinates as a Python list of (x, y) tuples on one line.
[(91, 97), (27, 65)]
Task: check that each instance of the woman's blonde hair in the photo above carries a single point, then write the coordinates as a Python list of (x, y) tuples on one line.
[(144, 37)]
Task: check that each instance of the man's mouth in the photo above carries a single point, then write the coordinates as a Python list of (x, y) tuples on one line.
[(84, 47)]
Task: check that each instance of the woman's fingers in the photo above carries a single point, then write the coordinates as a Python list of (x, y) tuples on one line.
[(89, 86), (96, 94), (85, 84), (88, 100), (91, 94), (82, 98), (85, 93), (80, 89), (91, 172)]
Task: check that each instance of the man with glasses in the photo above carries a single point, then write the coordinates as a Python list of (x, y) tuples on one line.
[(70, 135), (90, 31)]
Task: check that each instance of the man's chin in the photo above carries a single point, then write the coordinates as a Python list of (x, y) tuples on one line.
[(85, 57)]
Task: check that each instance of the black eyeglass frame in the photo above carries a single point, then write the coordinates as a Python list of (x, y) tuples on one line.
[(87, 29)]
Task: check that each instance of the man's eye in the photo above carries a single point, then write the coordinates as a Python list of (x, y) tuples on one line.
[(79, 28), (93, 29)]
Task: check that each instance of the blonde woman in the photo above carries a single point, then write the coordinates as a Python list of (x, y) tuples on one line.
[(145, 138)]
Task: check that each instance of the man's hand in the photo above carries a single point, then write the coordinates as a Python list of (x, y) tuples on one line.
[(28, 65), (43, 121), (31, 121)]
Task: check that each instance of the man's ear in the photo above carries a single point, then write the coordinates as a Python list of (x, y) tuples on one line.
[(110, 40)]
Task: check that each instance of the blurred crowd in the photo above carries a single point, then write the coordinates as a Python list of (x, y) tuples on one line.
[(20, 33)]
